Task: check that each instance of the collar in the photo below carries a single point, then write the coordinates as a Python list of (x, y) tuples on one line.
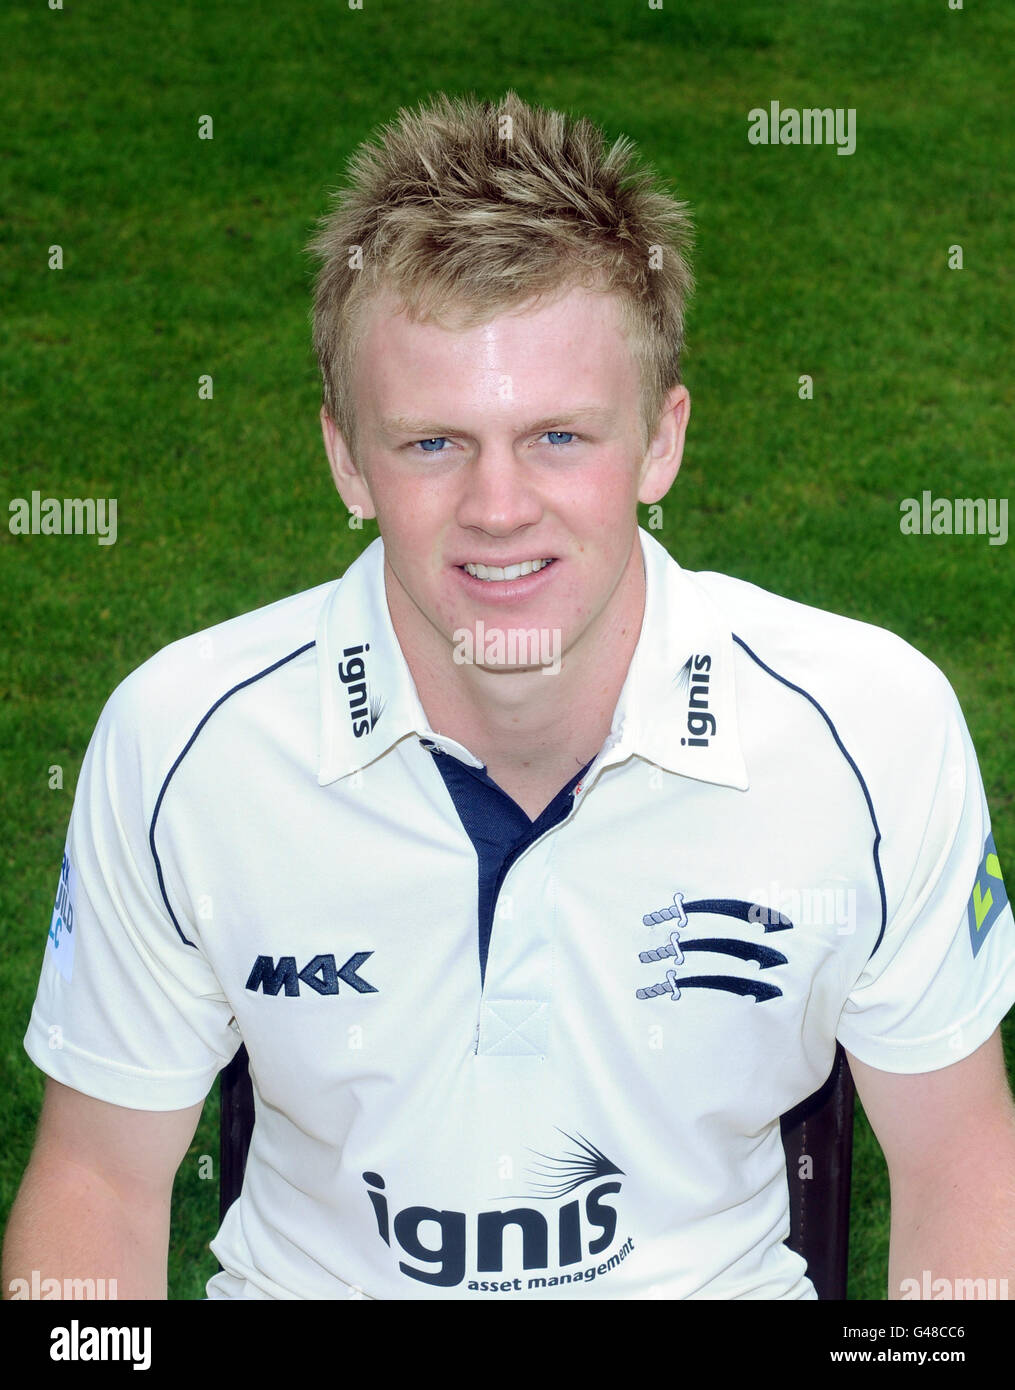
[(677, 707), (368, 697)]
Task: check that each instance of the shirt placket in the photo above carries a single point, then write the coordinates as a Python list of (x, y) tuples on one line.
[(514, 1009)]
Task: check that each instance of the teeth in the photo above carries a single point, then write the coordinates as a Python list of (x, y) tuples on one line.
[(508, 572)]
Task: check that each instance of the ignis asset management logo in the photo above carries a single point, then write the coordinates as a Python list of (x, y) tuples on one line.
[(562, 1240)]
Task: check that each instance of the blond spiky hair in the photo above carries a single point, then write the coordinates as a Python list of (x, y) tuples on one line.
[(466, 209)]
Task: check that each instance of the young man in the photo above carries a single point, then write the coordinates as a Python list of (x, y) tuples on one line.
[(484, 850)]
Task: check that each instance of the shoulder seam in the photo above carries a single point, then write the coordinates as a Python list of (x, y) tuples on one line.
[(856, 772), (183, 753)]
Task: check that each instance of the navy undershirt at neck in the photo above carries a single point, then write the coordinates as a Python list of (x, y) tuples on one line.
[(497, 826)]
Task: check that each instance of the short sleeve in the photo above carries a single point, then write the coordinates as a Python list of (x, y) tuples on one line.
[(942, 977), (128, 1010)]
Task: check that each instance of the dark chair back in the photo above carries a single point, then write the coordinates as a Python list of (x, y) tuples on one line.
[(236, 1124), (818, 1139)]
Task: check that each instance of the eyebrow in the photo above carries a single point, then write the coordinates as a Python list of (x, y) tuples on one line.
[(430, 429)]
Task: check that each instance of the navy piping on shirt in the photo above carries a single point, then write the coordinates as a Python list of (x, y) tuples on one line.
[(859, 777), (498, 828), (187, 747)]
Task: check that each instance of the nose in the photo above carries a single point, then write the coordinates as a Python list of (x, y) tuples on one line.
[(498, 495)]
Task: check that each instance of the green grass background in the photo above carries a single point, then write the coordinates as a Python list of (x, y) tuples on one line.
[(184, 257)]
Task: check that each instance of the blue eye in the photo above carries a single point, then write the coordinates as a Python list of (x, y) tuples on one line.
[(558, 440)]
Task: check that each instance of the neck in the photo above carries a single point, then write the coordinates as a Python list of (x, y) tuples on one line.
[(529, 722)]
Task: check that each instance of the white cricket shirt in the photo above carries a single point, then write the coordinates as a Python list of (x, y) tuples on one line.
[(784, 841)]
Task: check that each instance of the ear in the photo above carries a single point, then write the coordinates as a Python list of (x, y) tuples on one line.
[(666, 448), (351, 484)]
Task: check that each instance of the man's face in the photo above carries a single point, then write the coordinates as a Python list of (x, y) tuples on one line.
[(513, 443)]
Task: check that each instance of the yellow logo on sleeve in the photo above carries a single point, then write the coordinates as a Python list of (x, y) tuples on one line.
[(988, 898)]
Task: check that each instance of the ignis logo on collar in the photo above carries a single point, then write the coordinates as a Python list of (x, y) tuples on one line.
[(700, 722), (352, 672)]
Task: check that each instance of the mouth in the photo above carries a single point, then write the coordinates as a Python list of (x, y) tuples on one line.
[(499, 574)]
